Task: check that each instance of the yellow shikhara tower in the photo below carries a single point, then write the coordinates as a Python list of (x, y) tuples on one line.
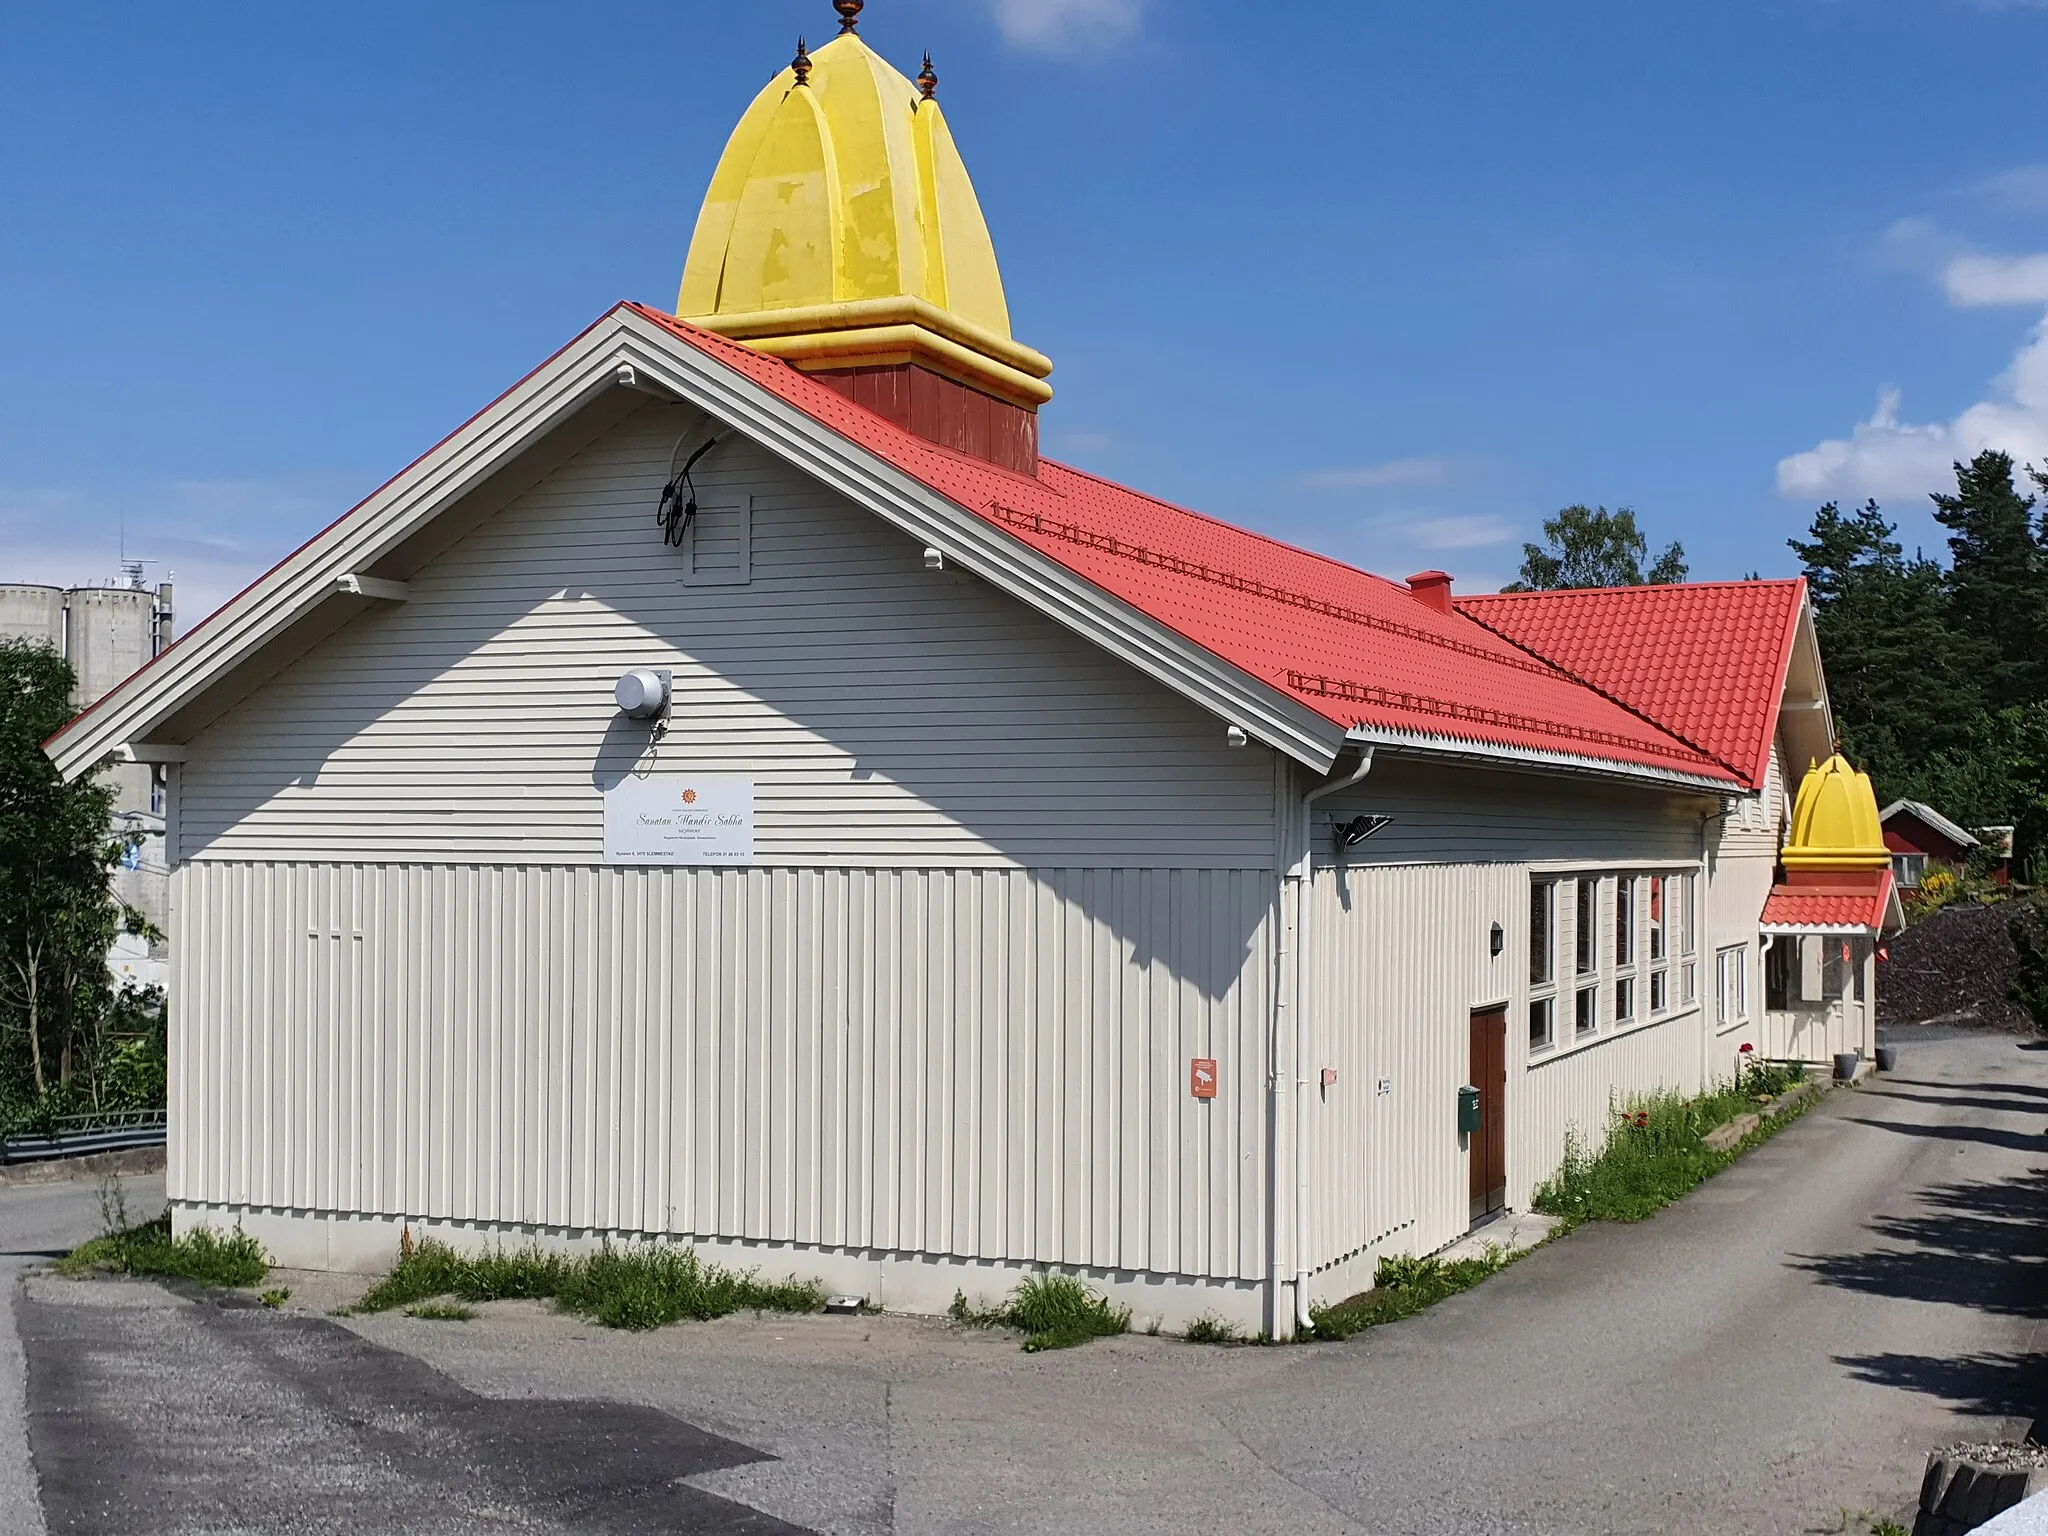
[(841, 233)]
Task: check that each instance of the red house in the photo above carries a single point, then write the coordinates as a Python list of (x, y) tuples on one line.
[(1918, 834)]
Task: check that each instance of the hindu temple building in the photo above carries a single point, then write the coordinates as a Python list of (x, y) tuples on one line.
[(738, 792)]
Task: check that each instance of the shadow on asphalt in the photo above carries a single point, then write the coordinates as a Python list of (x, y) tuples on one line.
[(2001, 1386), (221, 1416), (1985, 1135), (1976, 1244)]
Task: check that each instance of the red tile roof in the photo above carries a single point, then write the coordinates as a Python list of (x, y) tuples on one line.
[(1355, 648), (1843, 902), (1706, 661)]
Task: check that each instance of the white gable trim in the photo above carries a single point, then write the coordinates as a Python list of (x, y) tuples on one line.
[(548, 398)]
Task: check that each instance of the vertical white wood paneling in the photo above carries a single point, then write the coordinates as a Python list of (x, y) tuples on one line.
[(984, 1064)]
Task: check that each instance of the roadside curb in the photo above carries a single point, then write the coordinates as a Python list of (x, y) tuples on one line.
[(72, 1169)]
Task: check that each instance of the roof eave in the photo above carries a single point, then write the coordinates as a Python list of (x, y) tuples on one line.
[(1488, 754)]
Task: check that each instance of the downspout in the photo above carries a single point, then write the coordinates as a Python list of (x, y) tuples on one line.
[(1702, 947), (1302, 878)]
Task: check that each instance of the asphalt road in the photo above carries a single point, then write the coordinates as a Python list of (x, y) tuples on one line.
[(1786, 1343)]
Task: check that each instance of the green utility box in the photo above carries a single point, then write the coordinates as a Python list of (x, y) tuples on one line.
[(1468, 1110)]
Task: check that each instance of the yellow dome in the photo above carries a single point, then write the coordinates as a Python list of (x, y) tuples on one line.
[(841, 231), (1835, 823)]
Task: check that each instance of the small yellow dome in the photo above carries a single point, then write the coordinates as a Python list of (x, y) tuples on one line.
[(841, 231), (1835, 823)]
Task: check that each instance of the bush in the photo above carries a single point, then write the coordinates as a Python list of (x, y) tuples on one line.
[(1656, 1150), (1208, 1329), (233, 1260), (1052, 1311), (1404, 1286), (633, 1288)]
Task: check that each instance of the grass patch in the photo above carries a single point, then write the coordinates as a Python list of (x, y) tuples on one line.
[(633, 1288), (442, 1312), (1051, 1311), (1210, 1329), (1402, 1287), (231, 1260), (1656, 1150)]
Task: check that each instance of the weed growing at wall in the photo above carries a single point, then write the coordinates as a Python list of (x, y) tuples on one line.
[(1656, 1150), (633, 1288), (1403, 1287), (211, 1258), (1051, 1311)]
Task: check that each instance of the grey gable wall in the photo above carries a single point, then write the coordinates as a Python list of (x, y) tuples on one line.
[(892, 716)]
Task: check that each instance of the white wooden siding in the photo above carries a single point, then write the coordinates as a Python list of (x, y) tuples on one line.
[(893, 716), (982, 1064)]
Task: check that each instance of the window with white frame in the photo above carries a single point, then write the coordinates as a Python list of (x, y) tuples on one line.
[(1618, 950), (1731, 989), (1911, 868), (1586, 1005), (1542, 964), (1683, 894)]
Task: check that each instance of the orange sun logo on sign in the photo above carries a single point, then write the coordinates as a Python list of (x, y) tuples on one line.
[(689, 797)]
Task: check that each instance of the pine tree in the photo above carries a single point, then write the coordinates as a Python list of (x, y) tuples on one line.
[(1903, 683), (1998, 577)]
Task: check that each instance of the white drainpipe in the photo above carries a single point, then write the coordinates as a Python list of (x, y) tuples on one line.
[(1302, 875)]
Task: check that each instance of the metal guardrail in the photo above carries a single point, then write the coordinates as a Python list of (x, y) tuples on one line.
[(83, 1135)]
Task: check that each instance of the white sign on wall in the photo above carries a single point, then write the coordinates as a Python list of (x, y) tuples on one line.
[(674, 820)]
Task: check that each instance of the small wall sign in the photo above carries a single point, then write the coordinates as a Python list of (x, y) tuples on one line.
[(679, 821), (1202, 1077)]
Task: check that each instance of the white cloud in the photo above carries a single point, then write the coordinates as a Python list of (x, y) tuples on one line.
[(1067, 26), (1978, 282), (1886, 457), (1374, 476), (2023, 189), (1455, 532)]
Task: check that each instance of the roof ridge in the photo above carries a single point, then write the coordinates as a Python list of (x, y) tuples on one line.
[(1644, 589)]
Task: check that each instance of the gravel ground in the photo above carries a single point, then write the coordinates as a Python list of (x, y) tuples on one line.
[(1953, 968)]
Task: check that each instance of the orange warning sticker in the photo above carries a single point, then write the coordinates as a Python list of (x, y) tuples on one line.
[(1202, 1077)]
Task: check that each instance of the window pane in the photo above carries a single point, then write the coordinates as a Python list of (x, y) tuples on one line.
[(1658, 915), (1589, 1009), (1659, 992), (1542, 942), (1625, 999), (1688, 983), (1589, 927), (1625, 920), (1542, 1022)]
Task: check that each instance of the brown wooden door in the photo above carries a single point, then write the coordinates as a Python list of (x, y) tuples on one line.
[(1487, 1147)]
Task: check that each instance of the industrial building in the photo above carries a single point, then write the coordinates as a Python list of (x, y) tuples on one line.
[(108, 633), (736, 791)]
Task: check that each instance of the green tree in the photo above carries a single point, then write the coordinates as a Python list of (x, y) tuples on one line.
[(1592, 547), (1903, 684), (57, 916), (1998, 577), (2030, 981)]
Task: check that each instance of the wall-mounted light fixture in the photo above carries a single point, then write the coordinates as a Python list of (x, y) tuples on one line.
[(643, 693), (1236, 736), (1496, 941), (1349, 833), (934, 558)]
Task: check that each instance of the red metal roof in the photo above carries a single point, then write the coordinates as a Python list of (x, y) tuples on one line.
[(1355, 648), (1834, 902), (1706, 661)]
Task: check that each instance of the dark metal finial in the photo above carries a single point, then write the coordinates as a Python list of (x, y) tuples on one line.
[(849, 13), (928, 80), (802, 62)]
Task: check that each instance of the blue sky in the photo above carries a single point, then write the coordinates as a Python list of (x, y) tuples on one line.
[(1394, 281)]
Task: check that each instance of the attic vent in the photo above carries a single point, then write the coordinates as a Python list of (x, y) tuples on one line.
[(718, 550)]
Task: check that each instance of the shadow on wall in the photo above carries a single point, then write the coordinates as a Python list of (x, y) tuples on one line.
[(1041, 747)]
